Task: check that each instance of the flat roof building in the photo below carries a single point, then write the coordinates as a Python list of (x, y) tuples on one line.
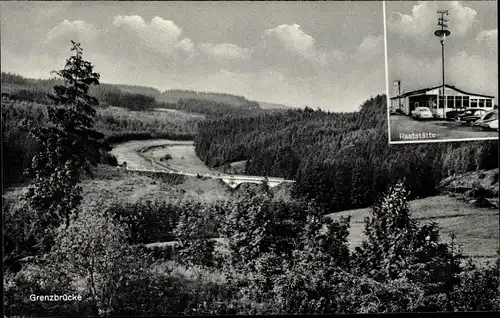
[(432, 97)]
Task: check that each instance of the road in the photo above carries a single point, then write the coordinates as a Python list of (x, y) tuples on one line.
[(404, 128)]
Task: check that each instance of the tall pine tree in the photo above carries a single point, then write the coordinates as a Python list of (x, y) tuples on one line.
[(70, 143)]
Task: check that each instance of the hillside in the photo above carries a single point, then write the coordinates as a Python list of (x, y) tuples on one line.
[(265, 105), (341, 160), (13, 83), (173, 96), (476, 227), (116, 123)]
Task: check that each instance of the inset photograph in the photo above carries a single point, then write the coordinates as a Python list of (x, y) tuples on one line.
[(442, 63)]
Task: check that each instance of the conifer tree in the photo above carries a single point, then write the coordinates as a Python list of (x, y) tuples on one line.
[(69, 142)]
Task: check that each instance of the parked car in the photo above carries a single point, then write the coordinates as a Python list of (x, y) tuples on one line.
[(422, 113), (469, 116), (488, 120), (452, 114), (392, 110)]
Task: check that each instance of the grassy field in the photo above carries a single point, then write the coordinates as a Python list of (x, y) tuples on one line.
[(476, 228), (123, 186), (184, 158), (127, 151)]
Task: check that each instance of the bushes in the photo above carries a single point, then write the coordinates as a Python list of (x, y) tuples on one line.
[(166, 157), (26, 233), (146, 221), (151, 221), (478, 289), (398, 248), (255, 224), (195, 246), (280, 258), (90, 258)]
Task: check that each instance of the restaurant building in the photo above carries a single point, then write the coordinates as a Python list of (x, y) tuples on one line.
[(432, 97)]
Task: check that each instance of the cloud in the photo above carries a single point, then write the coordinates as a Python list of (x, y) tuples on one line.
[(371, 46), (474, 73), (461, 18), (487, 35), (186, 45), (415, 72), (226, 50), (423, 19), (294, 40), (71, 30), (161, 35)]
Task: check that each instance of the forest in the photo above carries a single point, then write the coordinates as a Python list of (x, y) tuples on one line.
[(19, 117), (342, 160), (133, 97)]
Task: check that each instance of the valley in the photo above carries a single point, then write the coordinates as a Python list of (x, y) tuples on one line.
[(476, 227)]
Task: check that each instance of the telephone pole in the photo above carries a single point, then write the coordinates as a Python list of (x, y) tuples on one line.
[(442, 34), (399, 94)]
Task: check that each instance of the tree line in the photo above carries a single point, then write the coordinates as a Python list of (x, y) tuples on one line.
[(132, 97), (339, 159)]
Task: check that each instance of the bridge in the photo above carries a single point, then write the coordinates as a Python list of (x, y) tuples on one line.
[(232, 180)]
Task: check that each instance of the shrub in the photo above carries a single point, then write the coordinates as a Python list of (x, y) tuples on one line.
[(93, 251), (108, 158), (27, 232), (396, 247), (146, 221), (478, 289), (40, 278), (195, 245), (255, 224), (166, 157)]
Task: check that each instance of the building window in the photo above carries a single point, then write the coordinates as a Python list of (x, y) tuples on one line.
[(450, 103), (481, 103), (441, 103), (432, 102), (489, 103), (465, 101), (458, 101), (473, 103)]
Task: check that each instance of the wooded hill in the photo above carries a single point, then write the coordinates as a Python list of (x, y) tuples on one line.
[(342, 160), (136, 97)]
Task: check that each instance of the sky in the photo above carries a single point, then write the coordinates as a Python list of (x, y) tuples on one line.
[(317, 54), (471, 50)]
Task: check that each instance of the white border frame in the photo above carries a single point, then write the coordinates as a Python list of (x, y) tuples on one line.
[(396, 142)]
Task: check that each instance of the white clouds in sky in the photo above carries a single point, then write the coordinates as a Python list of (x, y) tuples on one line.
[(487, 35), (226, 50), (370, 47), (77, 30), (423, 19), (293, 38), (159, 34), (283, 63), (296, 41), (284, 45)]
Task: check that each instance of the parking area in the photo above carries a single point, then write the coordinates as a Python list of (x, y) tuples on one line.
[(405, 128)]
